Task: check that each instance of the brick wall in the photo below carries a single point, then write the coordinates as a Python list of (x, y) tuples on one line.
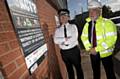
[(11, 57), (47, 16)]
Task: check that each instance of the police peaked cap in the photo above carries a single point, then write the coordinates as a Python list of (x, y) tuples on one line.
[(63, 12)]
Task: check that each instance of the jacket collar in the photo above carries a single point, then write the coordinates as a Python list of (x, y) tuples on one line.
[(100, 18)]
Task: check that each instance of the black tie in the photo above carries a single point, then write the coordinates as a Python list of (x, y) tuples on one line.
[(65, 31)]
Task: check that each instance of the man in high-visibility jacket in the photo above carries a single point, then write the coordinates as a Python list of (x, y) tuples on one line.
[(99, 36)]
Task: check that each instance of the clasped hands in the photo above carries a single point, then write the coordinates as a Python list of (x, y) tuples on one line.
[(65, 42), (92, 51)]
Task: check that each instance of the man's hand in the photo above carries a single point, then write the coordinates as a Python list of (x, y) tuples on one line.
[(93, 51), (67, 38), (65, 42)]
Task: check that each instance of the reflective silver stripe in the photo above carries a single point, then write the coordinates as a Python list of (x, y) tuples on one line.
[(104, 45), (107, 51), (99, 37), (107, 34), (111, 33), (86, 42)]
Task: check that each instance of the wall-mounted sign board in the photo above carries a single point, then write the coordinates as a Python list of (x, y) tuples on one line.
[(26, 24)]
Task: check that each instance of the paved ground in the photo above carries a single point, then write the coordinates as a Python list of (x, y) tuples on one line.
[(117, 64), (87, 68), (88, 71)]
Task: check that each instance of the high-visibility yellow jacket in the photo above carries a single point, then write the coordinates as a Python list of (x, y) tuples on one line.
[(106, 36)]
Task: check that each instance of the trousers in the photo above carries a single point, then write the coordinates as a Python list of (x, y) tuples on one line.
[(107, 64), (71, 57)]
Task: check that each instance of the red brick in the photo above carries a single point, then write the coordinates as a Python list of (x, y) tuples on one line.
[(18, 73), (1, 28), (4, 37), (3, 16), (14, 44), (26, 75), (20, 60), (11, 35), (8, 36), (45, 71), (1, 4), (7, 27), (4, 48), (11, 56), (10, 68)]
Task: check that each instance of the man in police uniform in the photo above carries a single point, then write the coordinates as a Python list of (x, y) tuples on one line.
[(99, 36), (66, 36)]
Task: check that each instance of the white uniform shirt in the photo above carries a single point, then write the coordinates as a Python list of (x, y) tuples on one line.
[(72, 34)]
